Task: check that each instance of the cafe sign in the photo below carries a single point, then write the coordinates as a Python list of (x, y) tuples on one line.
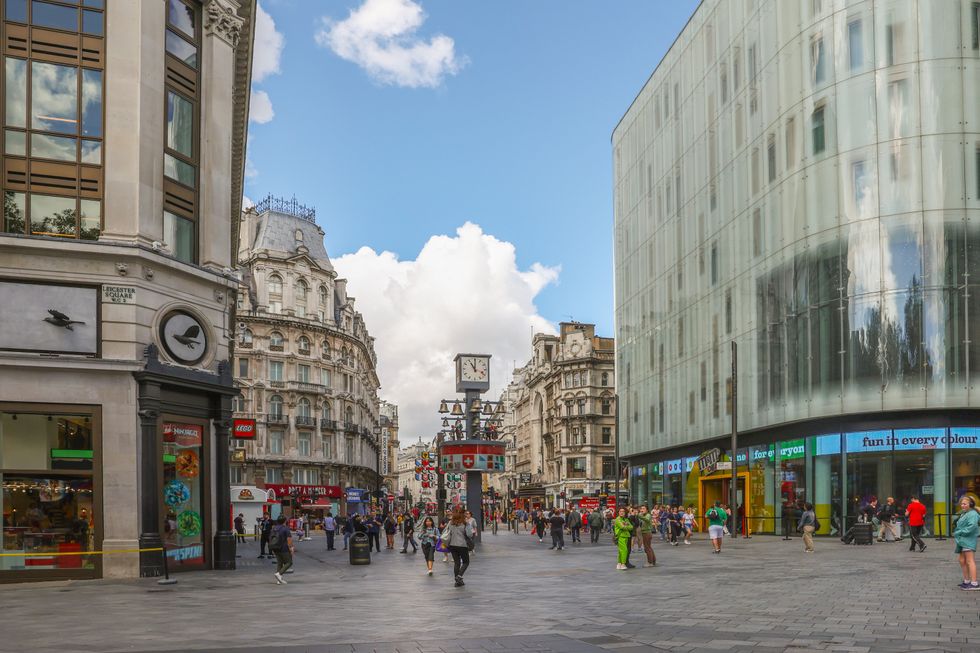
[(708, 461)]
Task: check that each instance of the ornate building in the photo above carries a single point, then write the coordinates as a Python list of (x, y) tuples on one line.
[(389, 446), (407, 458), (305, 364), (563, 402)]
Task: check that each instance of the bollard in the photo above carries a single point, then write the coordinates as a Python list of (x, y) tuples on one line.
[(166, 580)]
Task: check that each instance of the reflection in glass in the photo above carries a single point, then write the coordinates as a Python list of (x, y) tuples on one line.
[(54, 98), (182, 17), (91, 219), (59, 148), (178, 170), (56, 16), (13, 212), (855, 47), (15, 10), (91, 102), (92, 152), (180, 124), (901, 252), (864, 334), (14, 143), (15, 92), (178, 233), (53, 216), (92, 22), (181, 49)]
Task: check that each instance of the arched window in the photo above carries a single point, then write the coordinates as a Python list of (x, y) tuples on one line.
[(303, 408), (245, 337), (327, 410), (326, 349), (323, 296), (349, 415), (275, 339), (275, 406), (304, 344), (275, 284), (300, 293)]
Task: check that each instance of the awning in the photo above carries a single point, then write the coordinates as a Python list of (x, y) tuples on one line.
[(320, 504)]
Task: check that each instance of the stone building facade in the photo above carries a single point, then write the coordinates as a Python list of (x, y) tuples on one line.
[(305, 362), (406, 473), (564, 407), (389, 446), (122, 181)]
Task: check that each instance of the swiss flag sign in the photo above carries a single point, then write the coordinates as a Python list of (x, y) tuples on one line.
[(467, 461)]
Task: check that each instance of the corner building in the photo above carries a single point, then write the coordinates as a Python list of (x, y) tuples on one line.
[(802, 177), (124, 126)]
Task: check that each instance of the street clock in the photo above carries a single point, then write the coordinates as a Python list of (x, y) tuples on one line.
[(472, 372)]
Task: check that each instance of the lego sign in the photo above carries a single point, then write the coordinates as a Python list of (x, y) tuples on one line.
[(243, 429)]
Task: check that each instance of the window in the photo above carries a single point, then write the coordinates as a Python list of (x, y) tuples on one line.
[(275, 442), (300, 293), (757, 232), (975, 24), (576, 380), (855, 46), (736, 70), (276, 340), (818, 130), (325, 377), (275, 370), (714, 263), (581, 406), (238, 404), (790, 143), (245, 337), (755, 171), (728, 311), (576, 468), (303, 373), (609, 467), (275, 306), (304, 345), (680, 336), (303, 408), (568, 408), (818, 61), (976, 167), (753, 63), (724, 82), (704, 381), (606, 407), (350, 451), (275, 406), (605, 375), (691, 410), (273, 474), (181, 152), (53, 112), (237, 475), (243, 368), (606, 435), (304, 444), (898, 107), (275, 285), (859, 183), (325, 446), (771, 158), (327, 411)]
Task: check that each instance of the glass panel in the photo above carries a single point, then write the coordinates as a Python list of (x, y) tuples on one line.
[(58, 148), (92, 22), (40, 441), (762, 500), (15, 10), (178, 170), (13, 212), (54, 98), (53, 216), (182, 17), (92, 152), (91, 220), (15, 143), (15, 92), (91, 102), (183, 527), (56, 16), (98, 4), (181, 49), (47, 514), (178, 233), (825, 453), (180, 124)]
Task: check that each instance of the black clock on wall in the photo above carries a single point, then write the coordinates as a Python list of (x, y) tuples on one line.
[(184, 337)]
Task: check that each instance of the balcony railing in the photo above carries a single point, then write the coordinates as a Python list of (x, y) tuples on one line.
[(572, 473), (350, 427), (328, 424), (305, 420), (244, 345), (277, 384), (325, 356), (277, 418), (306, 386), (276, 348), (304, 352)]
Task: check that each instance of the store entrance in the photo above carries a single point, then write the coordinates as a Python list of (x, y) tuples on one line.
[(718, 488)]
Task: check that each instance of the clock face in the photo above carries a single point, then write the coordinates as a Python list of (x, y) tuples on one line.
[(184, 337), (474, 369)]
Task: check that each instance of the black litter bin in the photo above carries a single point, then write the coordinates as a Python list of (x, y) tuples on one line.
[(862, 534), (360, 549)]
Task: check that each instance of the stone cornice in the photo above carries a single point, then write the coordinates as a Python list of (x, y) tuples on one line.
[(221, 19)]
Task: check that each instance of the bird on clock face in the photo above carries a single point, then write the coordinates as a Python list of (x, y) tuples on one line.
[(188, 338)]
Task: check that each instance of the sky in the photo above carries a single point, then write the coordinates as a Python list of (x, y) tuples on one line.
[(458, 157)]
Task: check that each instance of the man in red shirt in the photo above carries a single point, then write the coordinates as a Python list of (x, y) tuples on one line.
[(916, 512)]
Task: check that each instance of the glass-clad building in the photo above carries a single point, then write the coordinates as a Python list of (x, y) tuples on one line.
[(802, 178)]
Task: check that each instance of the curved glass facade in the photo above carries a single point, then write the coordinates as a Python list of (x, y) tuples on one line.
[(801, 177)]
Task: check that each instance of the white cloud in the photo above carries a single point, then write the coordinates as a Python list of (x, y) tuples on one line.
[(462, 293), (381, 37), (260, 107), (247, 203)]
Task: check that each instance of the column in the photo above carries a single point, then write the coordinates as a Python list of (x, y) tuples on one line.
[(150, 483), (224, 539), (941, 489), (822, 492)]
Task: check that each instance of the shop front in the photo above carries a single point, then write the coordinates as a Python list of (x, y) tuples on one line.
[(308, 500), (358, 501)]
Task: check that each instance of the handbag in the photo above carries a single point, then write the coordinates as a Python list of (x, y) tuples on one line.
[(441, 546), (470, 542)]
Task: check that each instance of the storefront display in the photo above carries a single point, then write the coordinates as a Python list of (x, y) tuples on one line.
[(48, 500), (183, 527)]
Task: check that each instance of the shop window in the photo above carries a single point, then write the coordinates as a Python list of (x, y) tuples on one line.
[(183, 494), (827, 483)]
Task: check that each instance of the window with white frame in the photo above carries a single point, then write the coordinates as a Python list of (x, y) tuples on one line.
[(304, 444), (275, 442), (273, 475)]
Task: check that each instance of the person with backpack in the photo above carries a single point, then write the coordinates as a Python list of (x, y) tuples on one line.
[(596, 522), (966, 530), (575, 524), (281, 544), (808, 525), (330, 528), (716, 525), (265, 531), (623, 533), (408, 534)]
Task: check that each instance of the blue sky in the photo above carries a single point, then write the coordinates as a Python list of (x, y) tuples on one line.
[(512, 134)]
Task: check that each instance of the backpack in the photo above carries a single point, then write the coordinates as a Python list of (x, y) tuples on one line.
[(816, 523), (712, 514), (275, 540)]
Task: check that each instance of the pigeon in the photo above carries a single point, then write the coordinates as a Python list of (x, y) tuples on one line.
[(188, 337), (59, 319)]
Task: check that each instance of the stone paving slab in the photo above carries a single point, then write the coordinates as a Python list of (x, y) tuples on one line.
[(761, 594)]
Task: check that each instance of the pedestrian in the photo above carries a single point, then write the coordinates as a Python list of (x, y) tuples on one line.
[(716, 525), (240, 529), (265, 531), (539, 525), (281, 544), (347, 528), (915, 513), (966, 530), (623, 532), (408, 534), (575, 524), (674, 524), (886, 517), (443, 523), (807, 526), (458, 536), (427, 536), (390, 527), (635, 544), (646, 536), (330, 528), (689, 524), (557, 530), (373, 525), (596, 523), (472, 522)]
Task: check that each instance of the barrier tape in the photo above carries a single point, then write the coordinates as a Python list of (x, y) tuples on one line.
[(76, 553)]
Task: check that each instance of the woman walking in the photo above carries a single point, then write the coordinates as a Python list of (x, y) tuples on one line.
[(807, 526), (623, 532), (966, 530), (457, 537), (427, 536)]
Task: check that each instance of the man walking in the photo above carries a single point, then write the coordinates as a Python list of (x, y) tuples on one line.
[(595, 524), (265, 531), (887, 518), (575, 524), (281, 543), (408, 534), (557, 530), (915, 512), (716, 525), (330, 528), (373, 531)]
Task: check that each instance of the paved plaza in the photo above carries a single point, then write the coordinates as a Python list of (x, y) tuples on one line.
[(761, 594)]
